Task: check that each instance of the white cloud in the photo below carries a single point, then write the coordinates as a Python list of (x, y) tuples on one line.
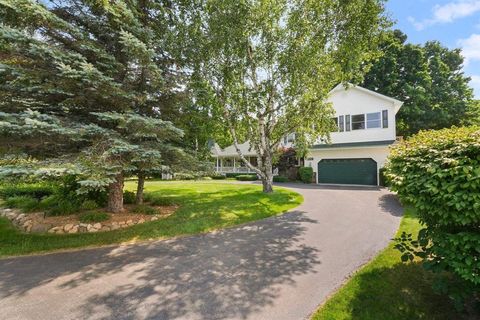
[(475, 84), (448, 12), (470, 47)]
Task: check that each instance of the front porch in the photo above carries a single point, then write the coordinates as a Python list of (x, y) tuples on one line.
[(233, 165)]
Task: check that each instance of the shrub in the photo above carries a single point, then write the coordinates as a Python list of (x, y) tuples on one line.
[(438, 172), (37, 191), (306, 174), (89, 205), (63, 207), (218, 176), (128, 197), (183, 176), (383, 178), (162, 202), (25, 203), (246, 177), (144, 209), (280, 179), (93, 216), (236, 174)]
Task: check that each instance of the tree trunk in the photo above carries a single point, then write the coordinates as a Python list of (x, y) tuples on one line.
[(115, 195), (267, 179), (140, 185)]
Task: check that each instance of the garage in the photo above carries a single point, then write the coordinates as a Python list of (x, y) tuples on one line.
[(348, 171)]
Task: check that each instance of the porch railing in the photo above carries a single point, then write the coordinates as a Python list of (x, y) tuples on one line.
[(234, 169)]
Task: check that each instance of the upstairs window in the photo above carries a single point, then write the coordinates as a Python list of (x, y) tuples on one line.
[(341, 124), (358, 121), (385, 118), (373, 120), (347, 123)]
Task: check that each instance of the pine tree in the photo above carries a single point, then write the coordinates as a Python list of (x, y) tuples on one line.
[(81, 88)]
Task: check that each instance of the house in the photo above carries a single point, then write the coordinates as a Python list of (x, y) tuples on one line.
[(366, 129)]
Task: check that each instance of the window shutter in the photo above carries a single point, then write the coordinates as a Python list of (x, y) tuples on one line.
[(347, 122), (385, 118)]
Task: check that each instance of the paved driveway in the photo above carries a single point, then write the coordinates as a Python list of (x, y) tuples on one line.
[(277, 268)]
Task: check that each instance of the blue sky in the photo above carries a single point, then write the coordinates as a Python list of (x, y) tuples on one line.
[(456, 24)]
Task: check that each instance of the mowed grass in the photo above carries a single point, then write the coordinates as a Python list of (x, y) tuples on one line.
[(388, 289), (204, 206)]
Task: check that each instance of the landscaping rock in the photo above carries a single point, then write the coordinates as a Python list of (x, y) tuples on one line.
[(68, 227), (105, 228), (40, 227), (74, 229), (141, 220), (154, 219), (97, 226), (55, 230)]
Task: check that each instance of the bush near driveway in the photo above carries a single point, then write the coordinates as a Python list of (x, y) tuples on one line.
[(438, 172), (246, 177), (306, 174)]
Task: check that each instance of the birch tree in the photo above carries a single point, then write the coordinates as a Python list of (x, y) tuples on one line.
[(265, 67)]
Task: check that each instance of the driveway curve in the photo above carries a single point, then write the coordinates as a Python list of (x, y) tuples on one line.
[(278, 268)]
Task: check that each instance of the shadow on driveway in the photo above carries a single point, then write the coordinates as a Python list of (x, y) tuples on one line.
[(227, 274)]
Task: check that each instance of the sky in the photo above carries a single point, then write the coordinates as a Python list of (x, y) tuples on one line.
[(456, 24)]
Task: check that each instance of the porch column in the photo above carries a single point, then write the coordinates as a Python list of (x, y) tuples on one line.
[(234, 167)]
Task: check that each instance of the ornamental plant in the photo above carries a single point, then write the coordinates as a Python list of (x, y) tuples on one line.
[(438, 173)]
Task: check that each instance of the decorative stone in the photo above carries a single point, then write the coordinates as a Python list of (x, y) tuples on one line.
[(129, 222), (55, 230), (141, 220), (115, 227), (97, 226), (82, 228), (40, 227), (105, 228), (89, 227), (68, 227), (154, 219), (74, 229), (122, 223)]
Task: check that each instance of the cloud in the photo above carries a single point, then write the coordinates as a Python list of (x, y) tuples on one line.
[(447, 13), (475, 84), (470, 48)]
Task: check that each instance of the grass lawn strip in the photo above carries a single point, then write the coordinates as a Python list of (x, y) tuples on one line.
[(204, 206), (388, 289)]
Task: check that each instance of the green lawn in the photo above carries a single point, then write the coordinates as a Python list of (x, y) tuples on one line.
[(388, 289), (204, 206)]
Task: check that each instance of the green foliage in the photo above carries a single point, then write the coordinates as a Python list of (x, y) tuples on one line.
[(235, 174), (438, 172), (89, 205), (184, 176), (306, 174), (25, 203), (94, 216), (62, 207), (280, 179), (429, 80), (258, 63), (246, 177), (383, 178), (128, 197), (37, 191), (80, 89), (218, 176), (145, 209)]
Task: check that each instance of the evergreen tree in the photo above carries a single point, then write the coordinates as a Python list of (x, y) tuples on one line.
[(82, 85)]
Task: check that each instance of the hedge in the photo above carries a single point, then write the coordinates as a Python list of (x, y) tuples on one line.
[(438, 172), (280, 179), (306, 174), (246, 177)]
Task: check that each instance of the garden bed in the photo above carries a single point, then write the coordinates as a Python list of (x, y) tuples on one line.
[(37, 222)]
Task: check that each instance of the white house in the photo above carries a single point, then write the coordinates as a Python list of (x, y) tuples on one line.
[(366, 129)]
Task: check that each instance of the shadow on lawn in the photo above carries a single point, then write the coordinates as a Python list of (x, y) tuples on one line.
[(403, 291), (226, 274)]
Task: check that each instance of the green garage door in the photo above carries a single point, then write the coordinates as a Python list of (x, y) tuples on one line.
[(348, 171)]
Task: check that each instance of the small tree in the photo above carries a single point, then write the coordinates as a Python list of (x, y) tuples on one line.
[(438, 173), (266, 68)]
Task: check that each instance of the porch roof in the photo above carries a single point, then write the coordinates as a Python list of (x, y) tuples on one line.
[(230, 151)]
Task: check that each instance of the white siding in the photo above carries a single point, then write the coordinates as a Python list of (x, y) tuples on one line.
[(356, 101)]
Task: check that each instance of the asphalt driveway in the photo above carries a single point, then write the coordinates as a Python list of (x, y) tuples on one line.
[(277, 268)]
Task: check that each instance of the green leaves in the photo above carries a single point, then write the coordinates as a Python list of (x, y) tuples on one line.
[(437, 173)]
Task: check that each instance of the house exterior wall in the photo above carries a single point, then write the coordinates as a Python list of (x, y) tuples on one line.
[(355, 101), (377, 153)]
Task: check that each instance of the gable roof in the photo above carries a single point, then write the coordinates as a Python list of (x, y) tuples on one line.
[(396, 103), (231, 151)]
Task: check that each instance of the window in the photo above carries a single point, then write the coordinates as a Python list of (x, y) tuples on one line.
[(373, 120), (347, 122), (385, 118), (341, 124), (291, 137), (358, 121)]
